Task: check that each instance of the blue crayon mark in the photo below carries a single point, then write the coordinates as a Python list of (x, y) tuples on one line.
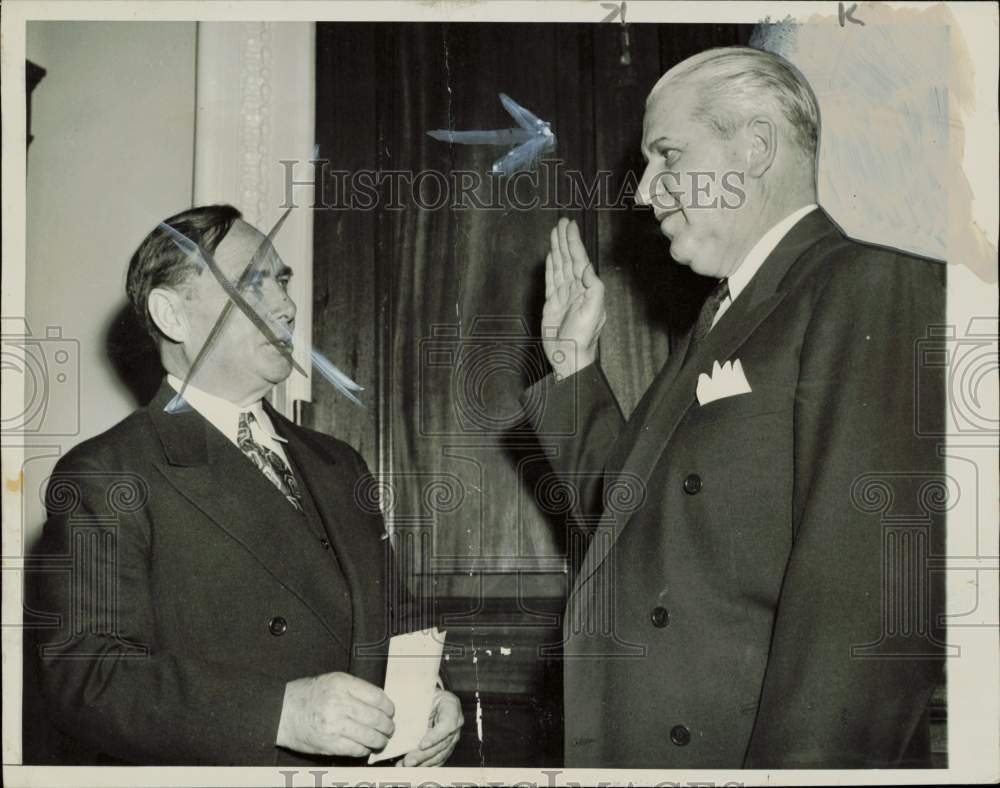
[(251, 277), (533, 138), (199, 256), (498, 137), (524, 157), (327, 369), (177, 404), (335, 377)]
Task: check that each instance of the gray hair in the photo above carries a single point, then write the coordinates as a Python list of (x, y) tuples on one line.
[(736, 82)]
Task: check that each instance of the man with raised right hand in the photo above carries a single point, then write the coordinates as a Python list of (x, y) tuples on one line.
[(735, 613)]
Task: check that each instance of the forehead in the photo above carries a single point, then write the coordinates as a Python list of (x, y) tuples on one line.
[(669, 112), (238, 247)]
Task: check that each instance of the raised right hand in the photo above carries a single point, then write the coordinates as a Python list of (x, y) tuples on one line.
[(335, 714), (573, 315)]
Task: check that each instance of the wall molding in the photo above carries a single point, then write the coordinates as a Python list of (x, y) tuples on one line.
[(255, 106)]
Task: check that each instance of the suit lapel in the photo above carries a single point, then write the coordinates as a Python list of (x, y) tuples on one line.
[(358, 549), (673, 392), (214, 475), (638, 418)]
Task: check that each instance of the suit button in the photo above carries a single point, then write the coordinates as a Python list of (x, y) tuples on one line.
[(277, 626), (692, 484), (325, 543), (680, 735), (660, 617)]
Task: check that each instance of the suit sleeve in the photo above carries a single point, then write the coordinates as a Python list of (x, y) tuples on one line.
[(404, 614), (105, 679), (837, 693), (407, 614), (577, 421)]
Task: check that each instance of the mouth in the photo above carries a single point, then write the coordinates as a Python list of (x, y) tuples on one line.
[(663, 216), (282, 334)]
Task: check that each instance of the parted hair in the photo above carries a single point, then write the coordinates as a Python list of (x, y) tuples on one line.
[(159, 263), (734, 83)]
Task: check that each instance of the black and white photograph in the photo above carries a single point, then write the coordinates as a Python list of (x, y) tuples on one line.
[(467, 393)]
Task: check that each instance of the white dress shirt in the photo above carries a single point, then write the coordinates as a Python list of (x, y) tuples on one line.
[(740, 278), (225, 416)]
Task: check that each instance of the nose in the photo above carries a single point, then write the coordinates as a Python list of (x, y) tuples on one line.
[(643, 194), (653, 189), (659, 189), (275, 302)]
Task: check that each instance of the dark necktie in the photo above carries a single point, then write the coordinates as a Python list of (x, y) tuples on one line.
[(267, 461), (707, 314)]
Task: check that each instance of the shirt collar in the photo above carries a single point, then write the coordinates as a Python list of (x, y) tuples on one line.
[(740, 278), (221, 413)]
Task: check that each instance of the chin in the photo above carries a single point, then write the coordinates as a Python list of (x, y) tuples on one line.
[(280, 376), (276, 372), (703, 269), (679, 255), (696, 262)]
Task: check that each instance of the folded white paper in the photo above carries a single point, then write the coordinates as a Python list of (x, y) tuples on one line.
[(726, 380), (410, 681)]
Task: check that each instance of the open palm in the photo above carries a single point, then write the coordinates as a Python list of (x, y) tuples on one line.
[(573, 315)]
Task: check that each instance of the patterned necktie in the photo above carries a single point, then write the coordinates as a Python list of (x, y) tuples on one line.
[(707, 314), (268, 462)]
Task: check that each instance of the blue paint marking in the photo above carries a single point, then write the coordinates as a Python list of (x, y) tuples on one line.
[(531, 139), (255, 312)]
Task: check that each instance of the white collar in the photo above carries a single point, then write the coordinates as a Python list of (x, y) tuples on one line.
[(221, 413), (740, 278)]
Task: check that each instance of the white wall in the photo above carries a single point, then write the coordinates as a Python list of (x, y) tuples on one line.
[(884, 147), (113, 125)]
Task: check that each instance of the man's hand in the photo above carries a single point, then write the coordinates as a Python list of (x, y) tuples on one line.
[(335, 714), (574, 314), (442, 735)]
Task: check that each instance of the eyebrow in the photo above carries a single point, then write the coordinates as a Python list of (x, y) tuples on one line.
[(285, 270), (653, 145), (264, 272)]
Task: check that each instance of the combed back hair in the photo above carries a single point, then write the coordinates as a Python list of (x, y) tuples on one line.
[(159, 263), (735, 83)]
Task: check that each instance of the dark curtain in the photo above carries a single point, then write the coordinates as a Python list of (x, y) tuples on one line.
[(435, 309)]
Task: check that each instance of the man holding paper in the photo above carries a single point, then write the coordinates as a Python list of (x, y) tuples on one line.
[(228, 601), (733, 608)]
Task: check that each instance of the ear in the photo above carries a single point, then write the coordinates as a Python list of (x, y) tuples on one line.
[(763, 145), (167, 312)]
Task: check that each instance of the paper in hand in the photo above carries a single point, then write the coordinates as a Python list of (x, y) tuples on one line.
[(410, 681)]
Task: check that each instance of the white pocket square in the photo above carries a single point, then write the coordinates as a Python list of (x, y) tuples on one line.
[(727, 380)]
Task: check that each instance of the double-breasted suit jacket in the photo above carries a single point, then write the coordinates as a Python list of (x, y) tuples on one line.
[(735, 607), (194, 590)]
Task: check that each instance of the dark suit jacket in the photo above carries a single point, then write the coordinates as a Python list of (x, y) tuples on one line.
[(187, 602), (756, 591)]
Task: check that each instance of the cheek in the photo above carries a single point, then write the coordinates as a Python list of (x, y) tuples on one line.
[(709, 222), (234, 347), (201, 327), (243, 332), (699, 236)]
